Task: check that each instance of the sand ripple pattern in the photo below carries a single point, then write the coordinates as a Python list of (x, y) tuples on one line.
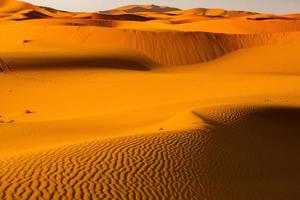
[(142, 167), (253, 155)]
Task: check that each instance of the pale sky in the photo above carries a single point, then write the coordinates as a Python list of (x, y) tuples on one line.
[(267, 6)]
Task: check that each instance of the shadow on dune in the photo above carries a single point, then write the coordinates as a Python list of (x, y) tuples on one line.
[(125, 17), (255, 156), (33, 14), (80, 62)]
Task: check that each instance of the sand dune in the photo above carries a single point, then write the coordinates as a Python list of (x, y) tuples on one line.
[(16, 10), (43, 60), (33, 14), (141, 8), (267, 17), (215, 13), (259, 145), (295, 16), (157, 46), (126, 17), (12, 6), (148, 102), (256, 60), (108, 169)]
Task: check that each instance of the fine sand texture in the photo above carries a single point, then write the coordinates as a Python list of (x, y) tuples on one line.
[(148, 102)]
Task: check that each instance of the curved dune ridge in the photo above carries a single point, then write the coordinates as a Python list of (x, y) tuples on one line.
[(255, 60), (140, 8), (34, 14), (268, 17), (157, 46), (12, 6), (257, 144), (17, 9), (159, 35), (148, 102)]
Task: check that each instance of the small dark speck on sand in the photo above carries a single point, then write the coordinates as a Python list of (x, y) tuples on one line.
[(26, 41), (29, 112)]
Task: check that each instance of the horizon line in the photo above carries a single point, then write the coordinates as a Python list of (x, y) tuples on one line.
[(177, 7)]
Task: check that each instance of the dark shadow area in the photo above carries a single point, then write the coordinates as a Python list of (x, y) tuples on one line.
[(124, 17), (256, 157), (33, 14), (80, 62), (269, 18)]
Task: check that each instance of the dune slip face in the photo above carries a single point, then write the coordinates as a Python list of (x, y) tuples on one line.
[(148, 102)]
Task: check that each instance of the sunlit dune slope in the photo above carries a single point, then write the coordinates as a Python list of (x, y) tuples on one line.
[(148, 102), (157, 17), (295, 16), (115, 103), (162, 47), (11, 10), (13, 6), (259, 17), (212, 12), (33, 14), (241, 26), (256, 60), (257, 144), (156, 36), (140, 8), (162, 21)]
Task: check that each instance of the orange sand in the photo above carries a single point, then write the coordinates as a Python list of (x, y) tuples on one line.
[(148, 102)]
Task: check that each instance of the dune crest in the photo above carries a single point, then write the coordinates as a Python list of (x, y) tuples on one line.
[(157, 46), (177, 163), (13, 6), (148, 102), (141, 8)]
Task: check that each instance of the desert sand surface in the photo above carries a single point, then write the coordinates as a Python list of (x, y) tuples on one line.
[(148, 102)]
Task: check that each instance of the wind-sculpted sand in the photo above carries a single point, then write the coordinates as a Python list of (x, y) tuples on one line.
[(148, 102), (156, 46), (244, 153)]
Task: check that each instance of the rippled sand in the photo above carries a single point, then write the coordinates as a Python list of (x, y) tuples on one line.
[(148, 102)]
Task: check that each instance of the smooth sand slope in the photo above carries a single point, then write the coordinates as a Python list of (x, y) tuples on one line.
[(148, 102)]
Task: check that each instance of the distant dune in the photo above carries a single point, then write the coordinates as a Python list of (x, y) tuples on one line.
[(12, 6), (268, 17), (141, 8), (148, 102)]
